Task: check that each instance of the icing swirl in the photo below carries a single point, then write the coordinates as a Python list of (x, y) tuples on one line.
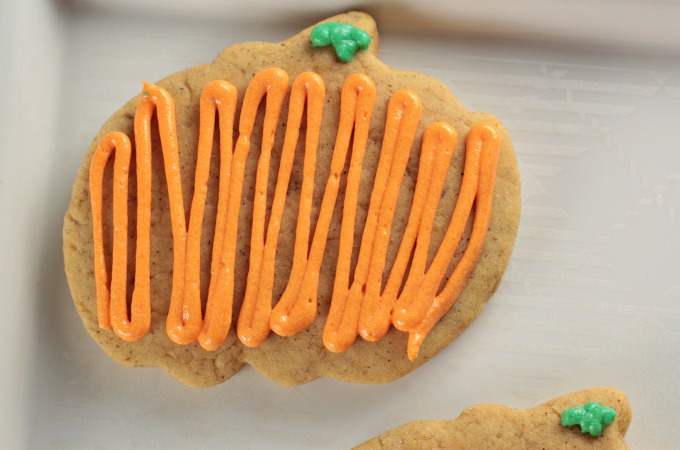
[(361, 308)]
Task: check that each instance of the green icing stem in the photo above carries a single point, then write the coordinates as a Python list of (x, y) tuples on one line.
[(592, 417), (345, 39)]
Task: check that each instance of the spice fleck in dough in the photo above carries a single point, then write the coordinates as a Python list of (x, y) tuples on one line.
[(302, 357)]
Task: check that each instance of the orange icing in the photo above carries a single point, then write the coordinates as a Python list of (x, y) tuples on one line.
[(421, 287), (296, 309), (403, 114), (273, 83), (112, 304), (439, 143), (253, 323), (483, 139), (357, 309), (184, 320)]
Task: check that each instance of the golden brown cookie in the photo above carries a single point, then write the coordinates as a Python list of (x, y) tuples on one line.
[(302, 357), (504, 428)]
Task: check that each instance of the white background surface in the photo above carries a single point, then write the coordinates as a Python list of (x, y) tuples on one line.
[(591, 296)]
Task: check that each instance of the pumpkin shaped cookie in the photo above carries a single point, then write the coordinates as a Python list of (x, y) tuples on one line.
[(298, 206), (502, 427)]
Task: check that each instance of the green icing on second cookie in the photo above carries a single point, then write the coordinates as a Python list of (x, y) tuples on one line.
[(592, 417), (345, 39)]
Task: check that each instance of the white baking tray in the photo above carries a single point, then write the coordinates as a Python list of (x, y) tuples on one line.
[(590, 94)]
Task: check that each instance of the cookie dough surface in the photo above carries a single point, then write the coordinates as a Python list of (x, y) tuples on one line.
[(504, 428), (300, 358)]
